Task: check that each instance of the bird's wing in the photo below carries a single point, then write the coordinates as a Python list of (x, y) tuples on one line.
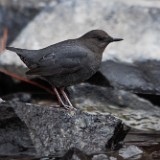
[(60, 60)]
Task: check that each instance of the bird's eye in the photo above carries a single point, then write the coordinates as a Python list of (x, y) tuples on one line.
[(101, 38)]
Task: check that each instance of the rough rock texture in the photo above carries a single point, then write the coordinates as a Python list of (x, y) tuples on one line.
[(134, 111), (131, 151), (136, 22), (53, 131), (23, 3), (14, 134), (140, 77)]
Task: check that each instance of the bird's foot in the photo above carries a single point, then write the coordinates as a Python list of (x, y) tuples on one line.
[(68, 107)]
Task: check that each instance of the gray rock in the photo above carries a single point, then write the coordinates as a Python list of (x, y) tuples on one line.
[(14, 25), (140, 77), (100, 157), (69, 19), (24, 4), (1, 100), (131, 152), (14, 134), (53, 131), (134, 111)]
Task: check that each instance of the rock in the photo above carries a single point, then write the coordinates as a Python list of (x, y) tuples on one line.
[(1, 100), (130, 152), (44, 130), (72, 18), (14, 25), (21, 97), (99, 79), (133, 110), (75, 154), (140, 77), (24, 4), (14, 134), (146, 140), (100, 157)]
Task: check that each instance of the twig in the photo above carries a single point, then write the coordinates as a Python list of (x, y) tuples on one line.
[(25, 80), (3, 40)]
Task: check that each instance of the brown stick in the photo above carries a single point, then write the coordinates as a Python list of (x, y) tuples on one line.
[(25, 80), (3, 40)]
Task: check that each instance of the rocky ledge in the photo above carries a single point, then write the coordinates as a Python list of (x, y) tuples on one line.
[(28, 129)]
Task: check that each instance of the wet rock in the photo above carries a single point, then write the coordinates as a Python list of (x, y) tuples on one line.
[(134, 111), (22, 97), (14, 135), (119, 18), (140, 77), (146, 141), (75, 154), (53, 131), (100, 157), (131, 152)]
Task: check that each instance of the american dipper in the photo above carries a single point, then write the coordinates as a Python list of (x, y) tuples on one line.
[(68, 62)]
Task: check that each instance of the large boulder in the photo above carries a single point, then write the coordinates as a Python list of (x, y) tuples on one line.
[(136, 22), (28, 129)]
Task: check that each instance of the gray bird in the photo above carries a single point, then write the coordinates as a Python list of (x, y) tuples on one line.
[(68, 62)]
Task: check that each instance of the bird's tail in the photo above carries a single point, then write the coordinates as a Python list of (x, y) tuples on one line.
[(23, 54), (17, 50)]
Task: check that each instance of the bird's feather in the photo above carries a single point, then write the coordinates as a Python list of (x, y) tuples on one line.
[(59, 60)]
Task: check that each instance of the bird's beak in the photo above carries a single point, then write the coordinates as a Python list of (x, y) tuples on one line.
[(116, 39)]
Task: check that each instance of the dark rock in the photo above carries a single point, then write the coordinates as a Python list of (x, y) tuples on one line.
[(133, 110), (22, 97), (140, 77), (151, 69), (6, 84), (53, 131), (147, 141), (14, 134), (99, 79), (76, 154)]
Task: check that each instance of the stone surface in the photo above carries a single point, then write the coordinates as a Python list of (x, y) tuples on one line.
[(14, 134), (100, 157), (135, 21), (140, 77), (21, 4), (131, 152), (53, 131), (15, 25), (133, 110)]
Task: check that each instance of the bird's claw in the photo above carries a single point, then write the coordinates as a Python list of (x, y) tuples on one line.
[(68, 107)]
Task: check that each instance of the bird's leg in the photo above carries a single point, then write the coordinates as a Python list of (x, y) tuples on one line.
[(60, 99), (66, 98)]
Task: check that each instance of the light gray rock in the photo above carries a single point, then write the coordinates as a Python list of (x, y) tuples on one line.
[(131, 152), (136, 22), (100, 157), (1, 100), (22, 3)]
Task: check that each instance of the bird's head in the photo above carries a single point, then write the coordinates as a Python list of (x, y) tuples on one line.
[(98, 39)]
